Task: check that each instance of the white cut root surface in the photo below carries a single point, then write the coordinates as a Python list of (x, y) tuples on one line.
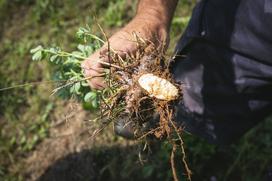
[(158, 87)]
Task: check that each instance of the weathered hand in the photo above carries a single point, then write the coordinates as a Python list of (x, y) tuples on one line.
[(147, 28)]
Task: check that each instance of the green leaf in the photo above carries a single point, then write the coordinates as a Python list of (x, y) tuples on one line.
[(90, 96), (68, 74), (81, 33), (87, 105), (76, 87), (76, 74), (71, 60), (85, 84), (58, 60), (95, 104), (34, 50), (54, 50), (12, 141), (23, 139), (54, 58), (81, 48), (89, 50), (77, 54), (37, 56)]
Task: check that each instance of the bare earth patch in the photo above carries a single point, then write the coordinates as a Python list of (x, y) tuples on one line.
[(68, 149)]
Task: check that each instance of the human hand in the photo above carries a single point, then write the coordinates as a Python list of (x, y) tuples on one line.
[(148, 28)]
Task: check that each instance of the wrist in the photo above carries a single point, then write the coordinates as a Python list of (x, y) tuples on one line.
[(160, 11), (153, 25), (154, 20)]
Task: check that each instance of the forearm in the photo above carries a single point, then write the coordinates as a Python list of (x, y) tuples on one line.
[(160, 11), (152, 23)]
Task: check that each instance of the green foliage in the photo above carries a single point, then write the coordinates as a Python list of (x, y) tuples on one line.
[(25, 112), (68, 67), (24, 140), (115, 13), (179, 23), (44, 8)]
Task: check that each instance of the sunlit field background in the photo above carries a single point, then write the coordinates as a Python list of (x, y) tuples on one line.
[(44, 137)]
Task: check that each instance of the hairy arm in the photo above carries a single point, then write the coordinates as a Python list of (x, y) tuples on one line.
[(160, 11), (151, 22)]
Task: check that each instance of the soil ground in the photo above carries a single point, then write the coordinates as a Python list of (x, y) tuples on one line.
[(69, 153)]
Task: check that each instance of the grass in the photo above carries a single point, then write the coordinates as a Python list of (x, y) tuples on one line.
[(26, 113)]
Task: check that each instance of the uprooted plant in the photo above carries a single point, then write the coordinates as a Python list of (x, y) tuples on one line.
[(138, 87)]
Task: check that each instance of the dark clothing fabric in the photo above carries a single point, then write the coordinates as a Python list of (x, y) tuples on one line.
[(245, 26), (225, 68)]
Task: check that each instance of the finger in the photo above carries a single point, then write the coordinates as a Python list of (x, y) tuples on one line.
[(85, 69), (119, 44), (94, 75), (97, 83), (95, 78)]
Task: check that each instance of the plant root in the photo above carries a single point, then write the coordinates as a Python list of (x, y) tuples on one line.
[(124, 97)]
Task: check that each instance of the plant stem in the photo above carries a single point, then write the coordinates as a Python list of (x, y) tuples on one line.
[(66, 54), (95, 37), (30, 84), (74, 82)]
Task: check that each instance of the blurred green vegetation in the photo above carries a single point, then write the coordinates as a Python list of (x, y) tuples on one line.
[(25, 112)]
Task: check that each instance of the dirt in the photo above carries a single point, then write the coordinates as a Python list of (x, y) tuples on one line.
[(68, 148)]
